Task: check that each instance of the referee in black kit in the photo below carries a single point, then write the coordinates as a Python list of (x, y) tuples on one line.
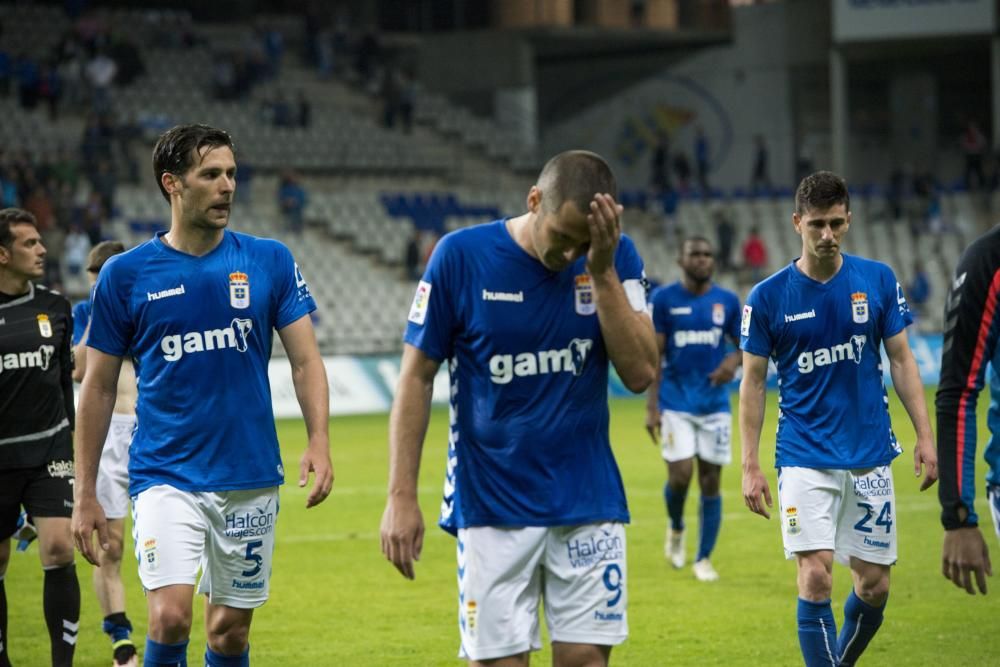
[(36, 427)]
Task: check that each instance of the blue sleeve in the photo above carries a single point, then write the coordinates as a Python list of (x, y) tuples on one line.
[(81, 316), (756, 336), (291, 293), (733, 318), (433, 320), (628, 263), (661, 311), (896, 314), (111, 326)]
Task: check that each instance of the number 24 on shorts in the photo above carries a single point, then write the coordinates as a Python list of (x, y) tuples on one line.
[(884, 517)]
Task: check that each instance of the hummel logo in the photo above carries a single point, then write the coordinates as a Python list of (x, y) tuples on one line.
[(515, 297), (808, 315), (163, 294)]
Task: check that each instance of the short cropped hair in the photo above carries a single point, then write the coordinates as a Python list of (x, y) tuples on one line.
[(175, 149), (101, 253), (575, 176), (821, 191), (693, 239), (10, 217)]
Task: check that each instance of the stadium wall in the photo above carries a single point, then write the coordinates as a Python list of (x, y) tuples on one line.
[(360, 385)]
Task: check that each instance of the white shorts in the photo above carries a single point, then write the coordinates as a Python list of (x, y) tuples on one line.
[(993, 498), (685, 435), (228, 535), (851, 512), (502, 572), (112, 473)]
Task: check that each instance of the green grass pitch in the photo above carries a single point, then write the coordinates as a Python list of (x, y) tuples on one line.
[(336, 601)]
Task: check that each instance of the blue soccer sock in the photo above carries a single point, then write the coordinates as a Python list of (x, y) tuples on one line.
[(675, 506), (817, 633), (861, 622), (711, 521), (213, 659), (117, 626), (165, 655)]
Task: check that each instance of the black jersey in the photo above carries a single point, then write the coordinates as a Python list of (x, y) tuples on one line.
[(972, 329), (36, 382)]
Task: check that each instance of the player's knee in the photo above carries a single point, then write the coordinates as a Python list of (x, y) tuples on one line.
[(873, 591), (815, 582), (231, 640), (169, 623), (709, 482), (55, 553), (679, 475), (112, 556)]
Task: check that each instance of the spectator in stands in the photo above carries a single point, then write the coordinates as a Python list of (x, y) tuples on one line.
[(100, 73), (50, 90), (75, 249), (919, 290), (659, 168), (303, 110), (760, 178), (281, 111), (973, 144), (37, 203), (725, 233), (755, 255), (104, 182), (292, 199), (369, 54), (9, 197), (701, 158), (894, 194), (407, 99), (5, 73), (390, 95), (412, 259), (682, 169), (94, 215), (26, 71)]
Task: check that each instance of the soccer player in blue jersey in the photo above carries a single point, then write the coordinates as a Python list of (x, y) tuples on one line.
[(822, 319), (196, 307), (112, 474), (970, 346), (688, 412), (528, 312)]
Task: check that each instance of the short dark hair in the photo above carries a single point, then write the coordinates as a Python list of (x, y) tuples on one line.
[(101, 253), (693, 239), (10, 217), (821, 191), (174, 150), (575, 176)]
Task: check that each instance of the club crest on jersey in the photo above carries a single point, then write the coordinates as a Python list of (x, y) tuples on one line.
[(239, 290), (584, 295), (44, 325), (718, 314), (859, 307)]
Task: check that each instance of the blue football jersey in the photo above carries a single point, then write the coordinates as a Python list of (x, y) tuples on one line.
[(199, 331), (825, 340), (81, 316), (696, 330), (529, 441)]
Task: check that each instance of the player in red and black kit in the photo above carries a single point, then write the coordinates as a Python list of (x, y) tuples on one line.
[(36, 427), (972, 327)]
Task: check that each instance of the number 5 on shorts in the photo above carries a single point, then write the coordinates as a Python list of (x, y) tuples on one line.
[(257, 559)]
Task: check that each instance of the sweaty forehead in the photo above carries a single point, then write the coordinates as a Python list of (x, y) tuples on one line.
[(837, 212), (217, 157)]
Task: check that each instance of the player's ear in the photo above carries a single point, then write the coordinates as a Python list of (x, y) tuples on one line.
[(171, 183), (534, 199), (797, 223)]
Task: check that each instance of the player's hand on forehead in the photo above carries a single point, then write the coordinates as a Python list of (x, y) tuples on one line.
[(604, 221)]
